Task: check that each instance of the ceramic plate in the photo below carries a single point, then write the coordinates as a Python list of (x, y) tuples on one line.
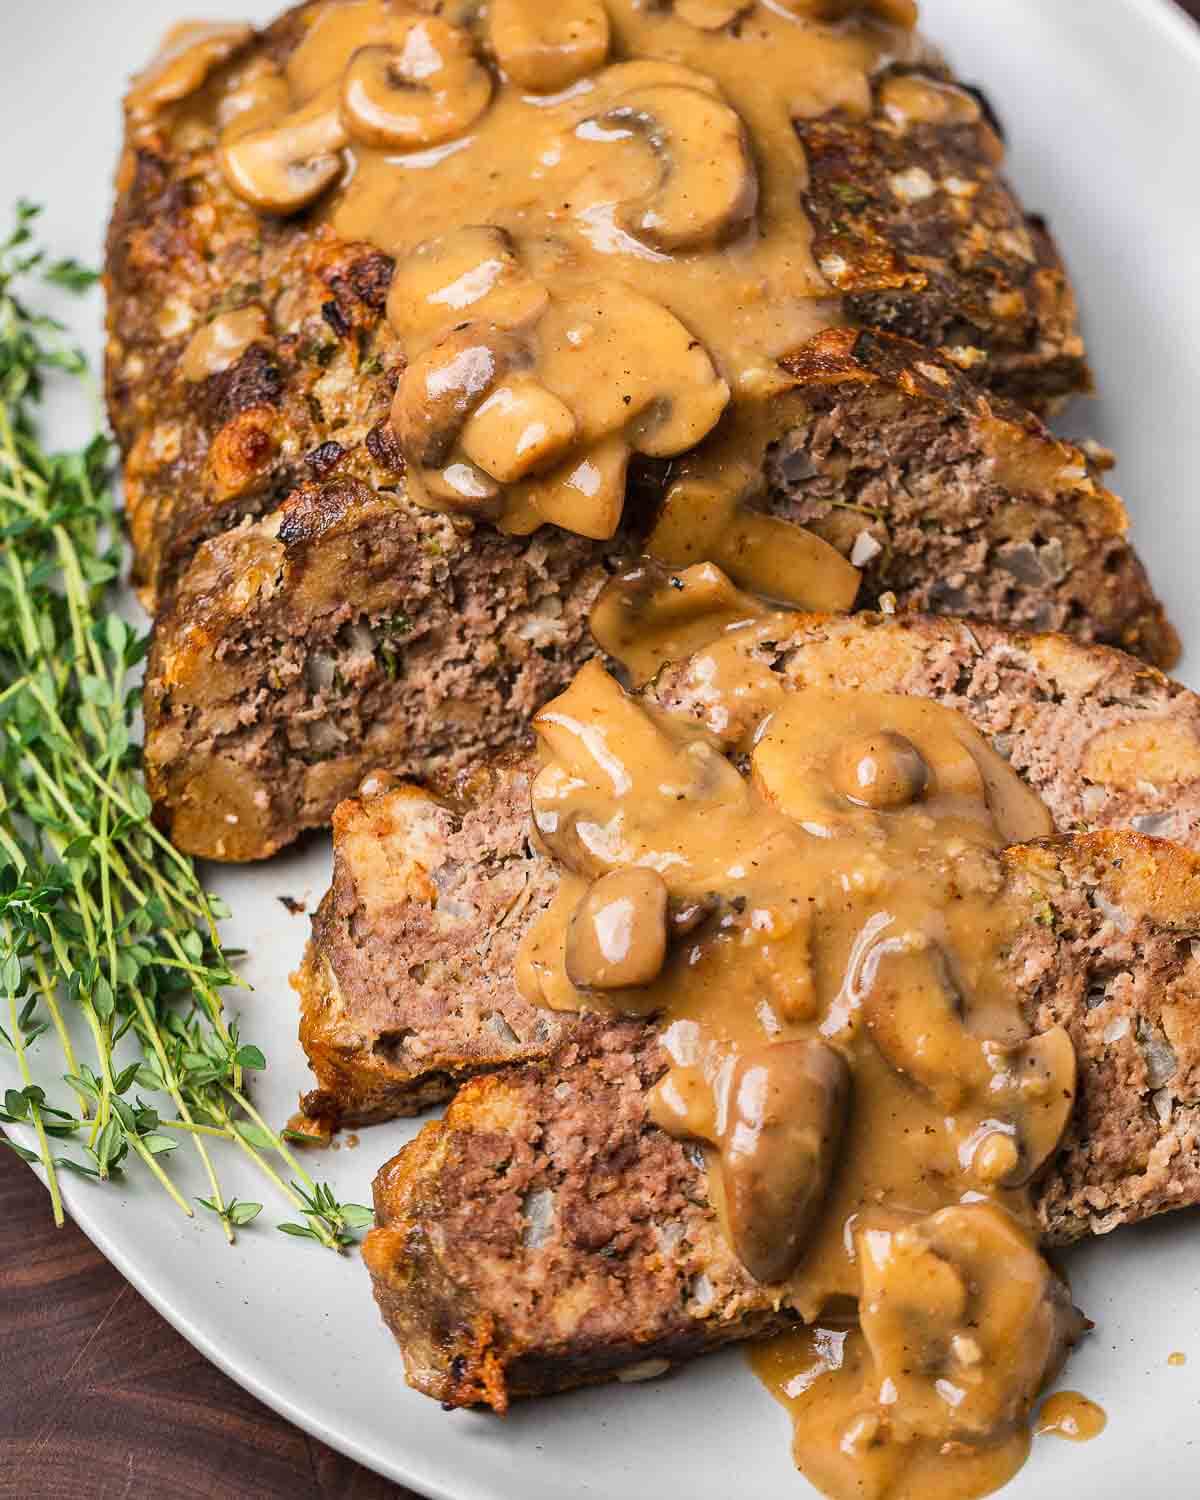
[(1101, 101)]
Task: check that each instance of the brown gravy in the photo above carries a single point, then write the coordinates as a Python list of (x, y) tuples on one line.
[(1069, 1415), (601, 246), (812, 904)]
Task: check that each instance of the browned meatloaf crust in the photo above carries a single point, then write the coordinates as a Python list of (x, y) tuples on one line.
[(407, 989), (546, 1235), (943, 254), (265, 698)]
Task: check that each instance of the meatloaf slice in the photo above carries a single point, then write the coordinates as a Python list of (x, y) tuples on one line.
[(953, 500), (406, 987), (961, 266), (546, 1235), (349, 629)]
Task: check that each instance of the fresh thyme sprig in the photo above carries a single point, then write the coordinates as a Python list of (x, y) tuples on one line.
[(99, 913)]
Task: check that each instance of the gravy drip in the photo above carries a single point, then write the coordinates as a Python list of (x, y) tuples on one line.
[(1067, 1414), (807, 893), (601, 249)]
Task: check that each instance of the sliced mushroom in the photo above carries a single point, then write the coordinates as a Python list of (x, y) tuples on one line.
[(585, 495), (914, 1014), (441, 388), (546, 47), (1034, 1082), (711, 15), (617, 937), (947, 1297), (519, 428), (283, 167), (1011, 1103), (910, 99), (190, 53), (623, 363), (260, 97), (815, 759), (646, 617), (812, 760), (701, 518), (471, 273), (632, 378), (591, 729), (784, 1117), (425, 88), (459, 488), (708, 187), (881, 771)]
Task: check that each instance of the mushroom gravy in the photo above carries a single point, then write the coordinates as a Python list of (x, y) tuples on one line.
[(601, 251), (808, 893), (601, 247)]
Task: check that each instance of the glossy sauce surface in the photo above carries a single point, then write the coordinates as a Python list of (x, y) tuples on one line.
[(826, 913), (1069, 1415)]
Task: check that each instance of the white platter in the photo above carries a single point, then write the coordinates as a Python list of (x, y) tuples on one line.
[(1102, 99)]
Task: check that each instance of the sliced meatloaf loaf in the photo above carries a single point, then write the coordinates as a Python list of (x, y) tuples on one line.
[(407, 989), (234, 443), (301, 650), (546, 1235), (954, 500)]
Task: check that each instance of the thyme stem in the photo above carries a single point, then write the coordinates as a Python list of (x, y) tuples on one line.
[(101, 917)]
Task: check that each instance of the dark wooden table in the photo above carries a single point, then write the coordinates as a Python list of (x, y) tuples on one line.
[(102, 1400)]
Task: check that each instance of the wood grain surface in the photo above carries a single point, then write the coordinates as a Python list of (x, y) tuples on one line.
[(100, 1399)]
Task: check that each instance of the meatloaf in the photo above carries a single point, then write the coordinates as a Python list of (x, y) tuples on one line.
[(406, 987), (546, 1235), (311, 616), (956, 262), (350, 629)]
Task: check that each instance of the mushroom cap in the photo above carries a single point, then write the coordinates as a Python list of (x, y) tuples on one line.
[(546, 47), (281, 168), (426, 88)]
